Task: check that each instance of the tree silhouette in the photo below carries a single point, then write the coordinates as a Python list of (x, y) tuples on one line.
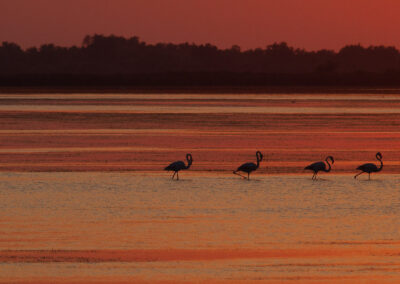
[(118, 60)]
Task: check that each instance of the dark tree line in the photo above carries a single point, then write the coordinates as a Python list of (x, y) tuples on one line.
[(113, 60)]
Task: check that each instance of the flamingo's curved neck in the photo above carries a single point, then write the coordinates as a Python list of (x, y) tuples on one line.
[(189, 160), (380, 168), (258, 161), (329, 169)]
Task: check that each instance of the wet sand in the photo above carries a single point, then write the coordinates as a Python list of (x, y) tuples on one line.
[(84, 198)]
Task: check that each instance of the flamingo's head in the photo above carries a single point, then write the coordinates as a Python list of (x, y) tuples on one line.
[(379, 156)]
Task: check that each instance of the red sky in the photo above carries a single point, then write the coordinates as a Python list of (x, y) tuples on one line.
[(310, 24)]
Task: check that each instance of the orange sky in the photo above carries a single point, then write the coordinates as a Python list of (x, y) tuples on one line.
[(310, 24)]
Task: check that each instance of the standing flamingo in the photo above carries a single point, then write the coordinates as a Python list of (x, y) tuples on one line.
[(179, 165), (320, 166), (370, 168), (249, 167)]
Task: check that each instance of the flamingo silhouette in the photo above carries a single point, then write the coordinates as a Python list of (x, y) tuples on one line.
[(370, 168), (320, 166), (179, 165), (249, 167)]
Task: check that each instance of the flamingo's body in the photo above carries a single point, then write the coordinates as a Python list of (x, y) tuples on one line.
[(179, 165), (370, 168), (249, 167), (320, 166)]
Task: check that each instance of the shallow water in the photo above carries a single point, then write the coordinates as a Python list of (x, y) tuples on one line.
[(83, 198), (203, 226), (89, 132), (271, 209)]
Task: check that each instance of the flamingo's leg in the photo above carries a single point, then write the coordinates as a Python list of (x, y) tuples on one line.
[(173, 175), (177, 175), (369, 176), (248, 176)]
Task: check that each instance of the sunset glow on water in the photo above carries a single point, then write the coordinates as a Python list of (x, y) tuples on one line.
[(84, 198)]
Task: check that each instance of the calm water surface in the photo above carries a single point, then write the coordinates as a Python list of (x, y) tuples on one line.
[(267, 228), (83, 198)]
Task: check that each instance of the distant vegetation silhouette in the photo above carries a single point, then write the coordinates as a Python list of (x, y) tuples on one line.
[(117, 61)]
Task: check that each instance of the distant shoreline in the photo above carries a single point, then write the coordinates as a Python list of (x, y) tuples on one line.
[(201, 90)]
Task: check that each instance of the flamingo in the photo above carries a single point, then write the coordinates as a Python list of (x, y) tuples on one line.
[(179, 165), (320, 166), (370, 168), (249, 167)]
